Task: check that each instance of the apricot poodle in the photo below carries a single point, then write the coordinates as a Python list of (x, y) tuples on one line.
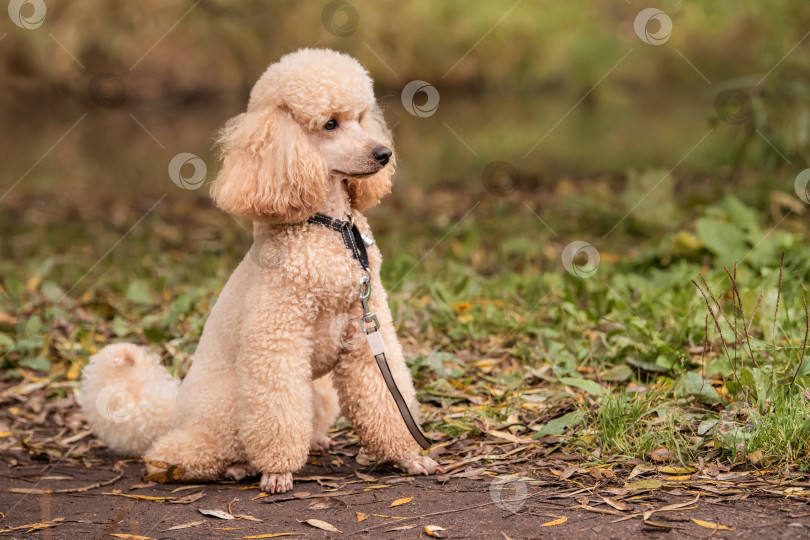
[(276, 364)]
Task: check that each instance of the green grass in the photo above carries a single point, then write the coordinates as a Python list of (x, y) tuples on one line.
[(499, 335)]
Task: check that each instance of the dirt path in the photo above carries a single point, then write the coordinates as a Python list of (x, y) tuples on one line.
[(465, 508)]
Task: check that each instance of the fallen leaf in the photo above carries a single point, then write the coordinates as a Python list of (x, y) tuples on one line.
[(140, 497), (559, 521), (618, 505), (677, 470), (247, 517), (755, 457), (328, 502), (511, 438), (401, 528), (185, 525), (365, 477), (669, 507), (399, 502), (132, 536), (271, 535), (389, 517), (640, 469), (710, 525), (361, 516), (661, 454), (318, 524), (434, 531), (221, 514), (644, 485), (190, 498), (186, 488), (34, 526), (656, 524)]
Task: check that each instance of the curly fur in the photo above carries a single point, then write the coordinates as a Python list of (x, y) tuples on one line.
[(270, 372)]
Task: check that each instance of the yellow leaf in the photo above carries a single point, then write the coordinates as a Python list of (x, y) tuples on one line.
[(398, 502), (709, 525), (273, 535), (74, 372), (369, 488), (361, 516), (677, 470), (318, 524), (184, 488), (5, 434), (132, 536), (431, 530), (141, 497), (556, 522)]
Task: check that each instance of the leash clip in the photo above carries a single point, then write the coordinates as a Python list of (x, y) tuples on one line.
[(370, 322)]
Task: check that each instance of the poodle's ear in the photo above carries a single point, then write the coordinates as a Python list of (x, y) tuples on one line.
[(270, 170), (366, 192)]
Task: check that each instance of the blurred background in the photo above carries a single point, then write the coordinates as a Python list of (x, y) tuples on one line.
[(667, 135)]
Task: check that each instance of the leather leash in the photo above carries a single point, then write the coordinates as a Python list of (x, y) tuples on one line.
[(356, 242)]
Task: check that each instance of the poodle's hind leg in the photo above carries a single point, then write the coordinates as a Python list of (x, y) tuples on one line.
[(326, 410), (195, 455)]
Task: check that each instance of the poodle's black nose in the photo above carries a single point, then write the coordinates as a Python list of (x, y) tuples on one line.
[(381, 154)]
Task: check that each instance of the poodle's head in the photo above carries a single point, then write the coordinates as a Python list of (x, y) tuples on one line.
[(311, 119)]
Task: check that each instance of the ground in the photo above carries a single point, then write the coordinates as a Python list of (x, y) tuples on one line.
[(59, 486)]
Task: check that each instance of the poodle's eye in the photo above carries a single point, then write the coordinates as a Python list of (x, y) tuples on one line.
[(331, 125)]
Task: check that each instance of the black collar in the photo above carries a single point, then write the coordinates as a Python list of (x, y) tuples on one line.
[(350, 233)]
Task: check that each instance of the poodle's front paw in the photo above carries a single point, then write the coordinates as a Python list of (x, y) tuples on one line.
[(421, 465), (321, 444), (276, 482), (238, 471)]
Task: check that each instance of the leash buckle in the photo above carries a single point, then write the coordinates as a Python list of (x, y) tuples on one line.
[(370, 322)]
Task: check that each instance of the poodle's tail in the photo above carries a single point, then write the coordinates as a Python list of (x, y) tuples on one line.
[(127, 397)]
